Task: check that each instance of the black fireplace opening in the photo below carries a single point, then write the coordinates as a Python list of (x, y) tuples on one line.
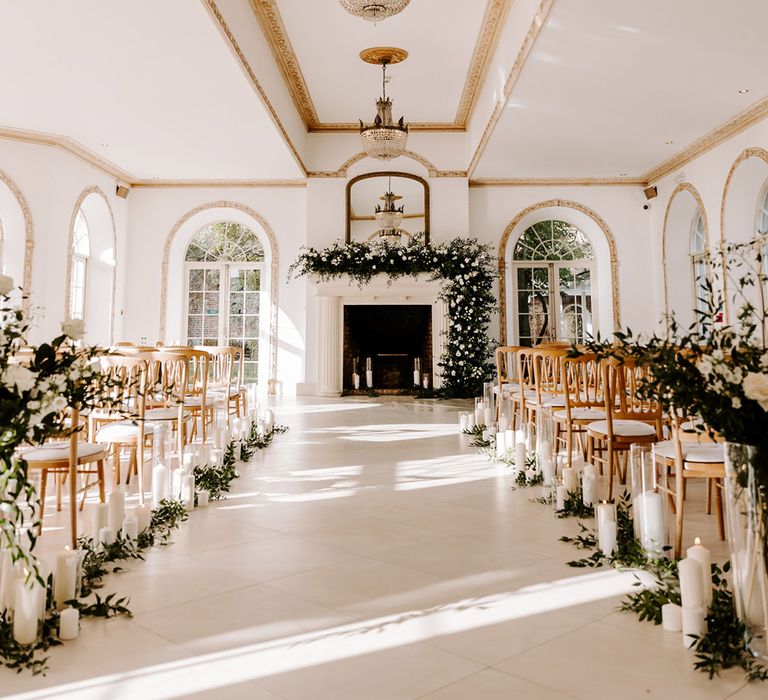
[(389, 339)]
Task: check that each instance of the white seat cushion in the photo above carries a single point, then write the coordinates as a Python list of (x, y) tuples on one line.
[(124, 431), (512, 386), (695, 452), (60, 452), (551, 400), (221, 391), (623, 428), (161, 414), (581, 414)]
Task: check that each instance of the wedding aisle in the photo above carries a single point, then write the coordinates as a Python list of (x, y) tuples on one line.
[(369, 554)]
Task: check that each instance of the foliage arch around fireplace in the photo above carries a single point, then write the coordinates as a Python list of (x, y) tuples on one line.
[(462, 265)]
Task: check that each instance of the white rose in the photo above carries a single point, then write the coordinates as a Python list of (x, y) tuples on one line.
[(6, 285), (74, 328), (20, 377), (756, 388)]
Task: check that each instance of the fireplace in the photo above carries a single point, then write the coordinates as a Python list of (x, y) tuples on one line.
[(386, 340)]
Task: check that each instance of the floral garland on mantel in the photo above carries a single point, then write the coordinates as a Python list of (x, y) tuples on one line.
[(465, 268)]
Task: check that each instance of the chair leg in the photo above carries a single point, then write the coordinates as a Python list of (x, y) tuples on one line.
[(679, 513), (709, 496), (116, 463), (100, 472), (719, 509), (59, 480), (41, 497), (611, 466)]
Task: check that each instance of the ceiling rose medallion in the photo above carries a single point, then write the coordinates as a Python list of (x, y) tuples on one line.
[(384, 139), (374, 10)]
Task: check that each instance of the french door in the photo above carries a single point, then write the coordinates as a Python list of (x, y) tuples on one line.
[(553, 301), (224, 307)]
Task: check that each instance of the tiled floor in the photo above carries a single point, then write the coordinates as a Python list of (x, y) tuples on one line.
[(370, 554)]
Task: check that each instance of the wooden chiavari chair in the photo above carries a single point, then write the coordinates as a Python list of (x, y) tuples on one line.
[(167, 391), (225, 382), (197, 399), (507, 382), (629, 419)]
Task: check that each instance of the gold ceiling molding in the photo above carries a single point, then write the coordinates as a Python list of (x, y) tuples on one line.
[(273, 285), (428, 165), (525, 49), (29, 238), (69, 146), (199, 184), (487, 41), (755, 152), (93, 189), (557, 181), (739, 123), (682, 187), (268, 16), (510, 229), (246, 66)]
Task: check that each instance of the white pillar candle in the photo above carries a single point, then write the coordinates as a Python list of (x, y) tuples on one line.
[(189, 462), (561, 492), (28, 607), (7, 580), (416, 378), (100, 518), (116, 510), (589, 485), (69, 624), (691, 583), (159, 484), (269, 417), (176, 480), (570, 479), (548, 471), (694, 623), (65, 577), (672, 617), (188, 491), (470, 419), (356, 381), (608, 535), (202, 498), (369, 378), (520, 455), (501, 443), (425, 381), (488, 415), (480, 413), (701, 554), (144, 515), (130, 527), (647, 507), (106, 536)]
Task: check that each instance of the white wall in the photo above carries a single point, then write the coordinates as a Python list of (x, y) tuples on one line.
[(51, 182)]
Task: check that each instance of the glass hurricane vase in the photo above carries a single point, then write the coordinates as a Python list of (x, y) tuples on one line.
[(747, 512)]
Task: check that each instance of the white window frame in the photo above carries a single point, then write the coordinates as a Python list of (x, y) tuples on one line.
[(698, 257), (79, 260), (761, 230)]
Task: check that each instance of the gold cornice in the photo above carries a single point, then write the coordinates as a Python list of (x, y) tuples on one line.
[(495, 14), (181, 184), (268, 16), (725, 131), (274, 30), (558, 182), (522, 55), (214, 11), (71, 147), (344, 167)]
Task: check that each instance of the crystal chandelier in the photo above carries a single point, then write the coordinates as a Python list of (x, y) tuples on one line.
[(374, 10), (390, 216), (384, 139)]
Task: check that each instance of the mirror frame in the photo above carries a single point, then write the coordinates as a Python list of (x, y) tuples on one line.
[(386, 173)]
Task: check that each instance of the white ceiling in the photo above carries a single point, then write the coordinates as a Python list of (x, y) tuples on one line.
[(610, 81), (154, 80), (426, 87)]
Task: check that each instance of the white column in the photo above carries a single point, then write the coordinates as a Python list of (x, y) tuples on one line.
[(329, 346), (439, 337)]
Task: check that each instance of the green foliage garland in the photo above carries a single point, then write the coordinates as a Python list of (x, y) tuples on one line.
[(463, 265)]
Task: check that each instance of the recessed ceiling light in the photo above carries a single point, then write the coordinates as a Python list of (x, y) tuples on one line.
[(104, 145), (623, 174), (669, 142), (743, 91)]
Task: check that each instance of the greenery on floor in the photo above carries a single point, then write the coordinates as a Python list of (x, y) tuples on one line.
[(99, 560), (465, 268)]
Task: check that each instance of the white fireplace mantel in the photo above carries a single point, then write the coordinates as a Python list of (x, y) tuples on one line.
[(335, 295)]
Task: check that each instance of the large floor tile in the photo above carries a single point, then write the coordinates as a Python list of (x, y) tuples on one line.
[(493, 685)]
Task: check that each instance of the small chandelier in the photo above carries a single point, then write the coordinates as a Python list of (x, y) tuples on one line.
[(374, 10), (384, 139), (389, 216)]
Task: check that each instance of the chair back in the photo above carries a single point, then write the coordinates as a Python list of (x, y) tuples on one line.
[(582, 383), (506, 366), (622, 379), (547, 371), (223, 360)]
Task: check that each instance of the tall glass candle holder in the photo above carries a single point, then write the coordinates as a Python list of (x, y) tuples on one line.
[(545, 445), (649, 502), (479, 410), (489, 396), (369, 372), (417, 372)]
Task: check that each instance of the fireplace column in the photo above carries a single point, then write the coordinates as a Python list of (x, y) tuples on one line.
[(439, 338), (329, 336)]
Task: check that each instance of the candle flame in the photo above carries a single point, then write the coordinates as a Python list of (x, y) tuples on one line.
[(697, 541), (66, 547)]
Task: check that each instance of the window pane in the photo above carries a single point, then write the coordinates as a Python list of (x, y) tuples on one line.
[(253, 280), (212, 279), (195, 302), (196, 280), (252, 303), (236, 303)]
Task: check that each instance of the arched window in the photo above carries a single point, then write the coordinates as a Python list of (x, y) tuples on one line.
[(553, 271), (698, 252), (2, 248), (225, 268), (81, 251)]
